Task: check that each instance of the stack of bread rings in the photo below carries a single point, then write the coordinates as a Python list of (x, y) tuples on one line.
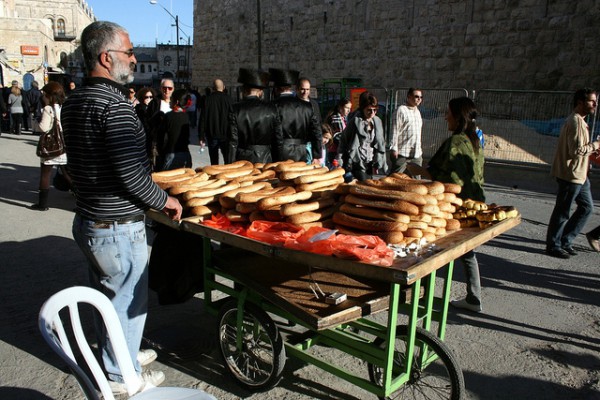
[(245, 192), (477, 213), (398, 209)]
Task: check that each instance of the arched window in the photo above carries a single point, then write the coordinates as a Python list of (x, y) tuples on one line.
[(168, 61), (149, 68), (52, 22), (60, 27), (182, 61), (142, 68)]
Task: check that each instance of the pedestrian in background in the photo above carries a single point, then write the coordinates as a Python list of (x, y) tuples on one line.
[(405, 143), (214, 122), (146, 109), (254, 127), (304, 88), (34, 99), (362, 145), (15, 104), (570, 168), (299, 123), (173, 135), (53, 96), (107, 161)]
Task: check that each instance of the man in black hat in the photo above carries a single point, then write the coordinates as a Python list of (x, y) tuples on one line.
[(298, 120), (254, 126)]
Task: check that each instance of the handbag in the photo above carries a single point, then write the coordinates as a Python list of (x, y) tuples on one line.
[(52, 143)]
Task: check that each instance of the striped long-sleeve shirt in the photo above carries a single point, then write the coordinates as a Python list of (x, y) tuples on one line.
[(106, 149)]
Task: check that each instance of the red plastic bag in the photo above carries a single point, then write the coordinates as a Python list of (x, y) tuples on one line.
[(273, 232), (366, 248), (223, 223), (309, 241)]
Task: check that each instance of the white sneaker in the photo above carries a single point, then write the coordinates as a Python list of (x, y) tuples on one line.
[(149, 378), (467, 306), (145, 357)]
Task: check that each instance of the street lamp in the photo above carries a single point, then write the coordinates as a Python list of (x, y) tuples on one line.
[(176, 18)]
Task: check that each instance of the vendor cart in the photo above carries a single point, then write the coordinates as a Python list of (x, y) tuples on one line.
[(265, 284)]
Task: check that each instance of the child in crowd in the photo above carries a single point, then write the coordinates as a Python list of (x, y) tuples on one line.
[(328, 152)]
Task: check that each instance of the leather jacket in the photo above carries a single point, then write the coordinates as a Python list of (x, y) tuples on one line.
[(300, 125), (254, 131)]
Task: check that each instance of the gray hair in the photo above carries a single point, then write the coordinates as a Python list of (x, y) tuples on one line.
[(98, 37)]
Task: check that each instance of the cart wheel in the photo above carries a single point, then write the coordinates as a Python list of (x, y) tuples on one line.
[(437, 379), (258, 364)]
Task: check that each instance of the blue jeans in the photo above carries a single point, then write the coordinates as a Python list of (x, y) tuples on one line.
[(118, 258), (563, 229)]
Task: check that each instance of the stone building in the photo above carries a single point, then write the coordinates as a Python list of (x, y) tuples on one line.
[(38, 38), (475, 44)]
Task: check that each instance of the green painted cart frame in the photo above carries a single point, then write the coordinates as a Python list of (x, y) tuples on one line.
[(406, 288)]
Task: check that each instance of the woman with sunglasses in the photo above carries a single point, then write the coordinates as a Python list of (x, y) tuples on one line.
[(146, 109), (362, 144)]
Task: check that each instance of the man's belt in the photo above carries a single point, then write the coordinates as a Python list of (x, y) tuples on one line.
[(109, 223)]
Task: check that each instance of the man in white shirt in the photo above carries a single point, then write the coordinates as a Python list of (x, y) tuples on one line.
[(166, 88), (405, 145)]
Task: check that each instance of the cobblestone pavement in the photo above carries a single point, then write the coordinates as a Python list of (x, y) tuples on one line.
[(538, 337)]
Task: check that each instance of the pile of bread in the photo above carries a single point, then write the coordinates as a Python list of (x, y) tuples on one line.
[(396, 208), (477, 213)]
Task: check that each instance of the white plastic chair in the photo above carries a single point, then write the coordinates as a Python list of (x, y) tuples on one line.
[(53, 331)]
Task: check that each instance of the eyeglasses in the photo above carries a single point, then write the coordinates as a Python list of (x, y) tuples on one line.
[(373, 110), (148, 97), (129, 52), (168, 87), (417, 97)]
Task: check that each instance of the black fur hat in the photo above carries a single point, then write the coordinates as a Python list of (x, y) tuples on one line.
[(253, 78), (283, 77)]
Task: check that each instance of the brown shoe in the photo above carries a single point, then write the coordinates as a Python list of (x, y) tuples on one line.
[(594, 243)]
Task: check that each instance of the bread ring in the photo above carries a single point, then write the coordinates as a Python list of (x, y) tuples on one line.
[(438, 222), (197, 185), (310, 216), (235, 216), (290, 175), (421, 218), (271, 201), (272, 165), (270, 174), (416, 233), (256, 196), (219, 168), (452, 224), (203, 211), (417, 225), (370, 225), (400, 175), (397, 184), (297, 208), (446, 207), (429, 209), (452, 188), (171, 174), (395, 237), (296, 166), (326, 223), (236, 173), (320, 184), (439, 232), (372, 192), (430, 237), (210, 192), (201, 201), (375, 213), (320, 177), (227, 199), (400, 206)]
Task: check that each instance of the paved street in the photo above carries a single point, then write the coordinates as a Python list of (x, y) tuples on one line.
[(538, 337)]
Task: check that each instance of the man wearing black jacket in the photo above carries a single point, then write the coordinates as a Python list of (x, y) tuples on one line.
[(298, 120), (214, 122), (254, 126)]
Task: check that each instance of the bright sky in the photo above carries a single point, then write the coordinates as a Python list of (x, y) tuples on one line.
[(148, 23)]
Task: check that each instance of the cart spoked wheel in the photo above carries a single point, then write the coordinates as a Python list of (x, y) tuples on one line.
[(258, 361), (431, 377)]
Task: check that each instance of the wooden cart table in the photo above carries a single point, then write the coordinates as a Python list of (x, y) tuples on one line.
[(409, 360)]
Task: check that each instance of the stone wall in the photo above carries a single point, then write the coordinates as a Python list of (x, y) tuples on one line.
[(476, 44)]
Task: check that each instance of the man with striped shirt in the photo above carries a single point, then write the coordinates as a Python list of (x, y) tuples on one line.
[(113, 188)]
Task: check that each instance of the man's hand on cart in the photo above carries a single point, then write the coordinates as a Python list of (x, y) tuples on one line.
[(173, 208)]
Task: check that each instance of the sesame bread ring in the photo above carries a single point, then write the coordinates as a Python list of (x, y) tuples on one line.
[(372, 192), (311, 216), (374, 213), (370, 225), (272, 201), (298, 208), (399, 206)]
